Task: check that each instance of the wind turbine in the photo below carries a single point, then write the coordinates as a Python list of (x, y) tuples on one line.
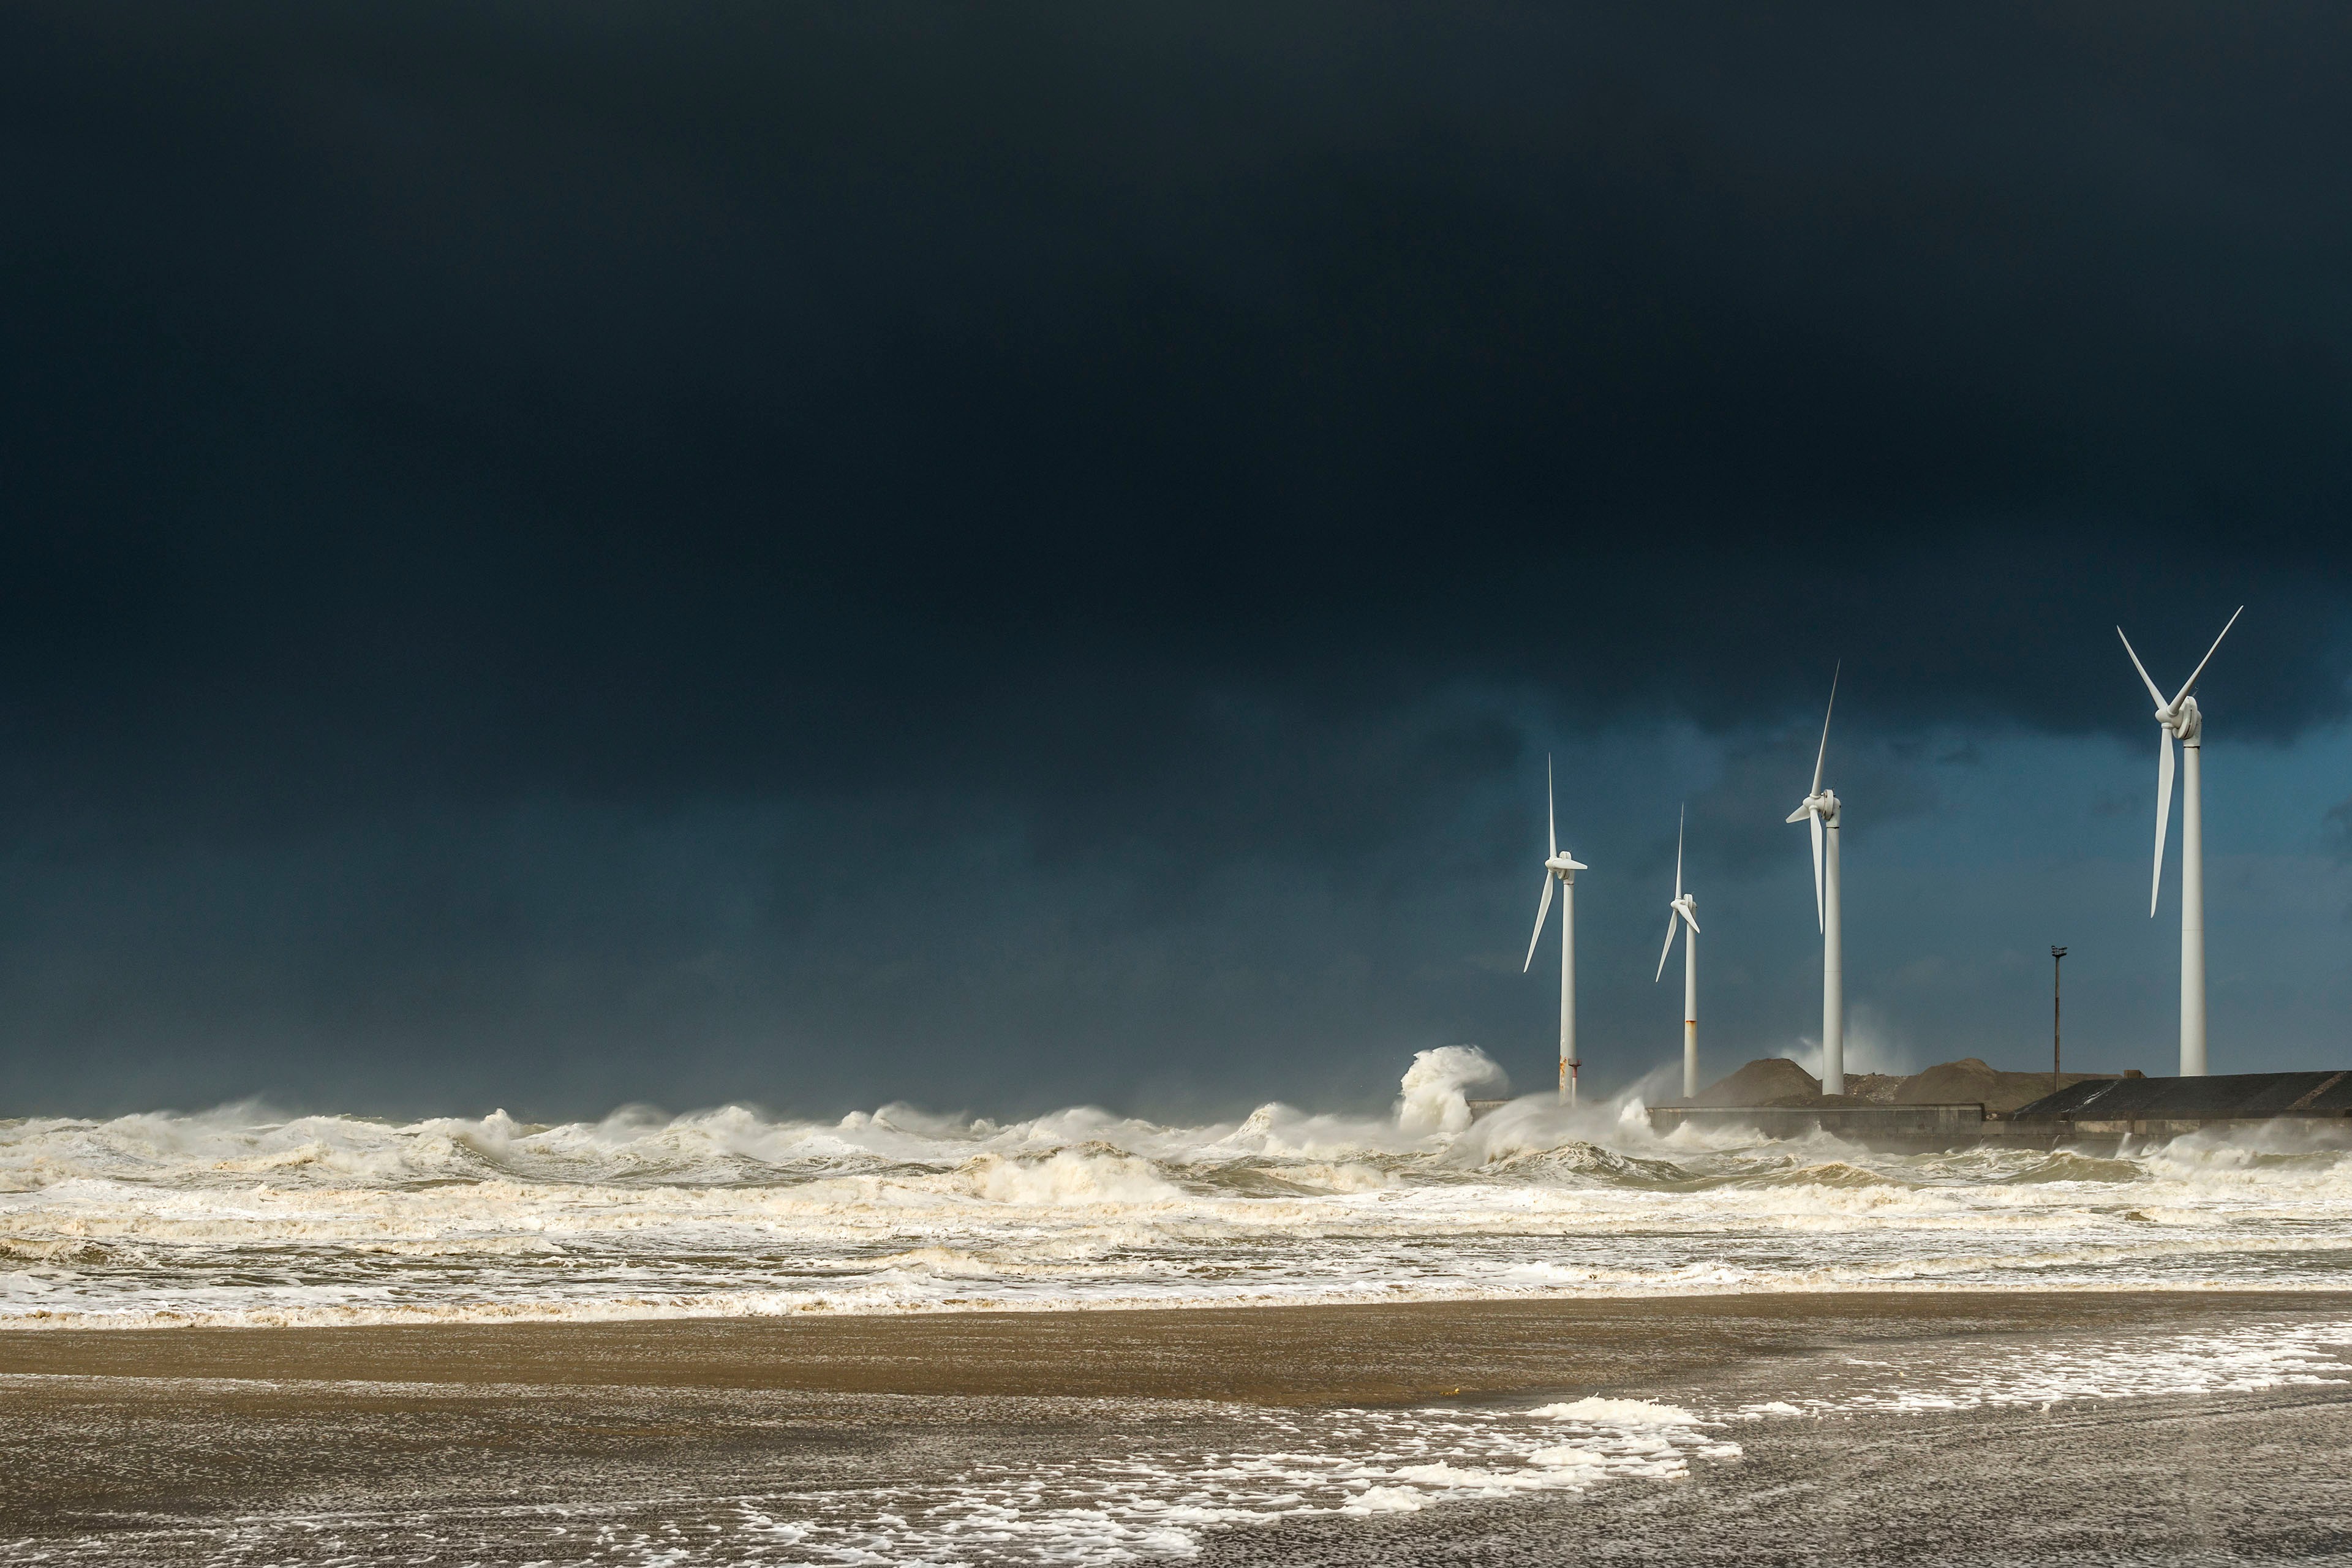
[(1685, 910), (2182, 722), (1821, 810), (1560, 868)]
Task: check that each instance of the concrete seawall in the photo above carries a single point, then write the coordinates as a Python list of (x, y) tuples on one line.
[(2102, 1114)]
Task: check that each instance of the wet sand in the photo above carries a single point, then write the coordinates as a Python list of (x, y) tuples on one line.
[(1265, 1356), (2206, 1479), (698, 1442)]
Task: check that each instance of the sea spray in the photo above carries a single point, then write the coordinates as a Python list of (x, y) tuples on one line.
[(1436, 1090)]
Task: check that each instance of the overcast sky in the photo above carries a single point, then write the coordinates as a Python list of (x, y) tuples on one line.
[(567, 553)]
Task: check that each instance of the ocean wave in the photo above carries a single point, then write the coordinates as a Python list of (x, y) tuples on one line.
[(236, 1216)]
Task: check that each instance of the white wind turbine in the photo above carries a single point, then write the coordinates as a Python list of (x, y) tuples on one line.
[(1684, 912), (1821, 810), (1560, 868), (2182, 722)]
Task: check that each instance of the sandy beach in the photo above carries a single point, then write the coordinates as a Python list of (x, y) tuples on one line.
[(1266, 1355), (1109, 1436)]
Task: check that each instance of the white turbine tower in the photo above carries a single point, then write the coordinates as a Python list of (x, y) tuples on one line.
[(1684, 912), (1560, 868), (1821, 810), (2182, 722)]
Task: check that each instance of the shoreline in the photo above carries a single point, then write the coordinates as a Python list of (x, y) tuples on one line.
[(591, 1314), (1275, 1356)]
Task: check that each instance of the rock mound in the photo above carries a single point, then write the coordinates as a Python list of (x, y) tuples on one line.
[(1769, 1081), (1873, 1088), (1958, 1083), (1777, 1081)]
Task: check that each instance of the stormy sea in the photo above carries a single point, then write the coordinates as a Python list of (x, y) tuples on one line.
[(1539, 1332)]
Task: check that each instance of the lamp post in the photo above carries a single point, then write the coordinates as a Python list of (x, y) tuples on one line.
[(2056, 954)]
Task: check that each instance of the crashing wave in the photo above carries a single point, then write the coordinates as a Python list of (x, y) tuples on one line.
[(239, 1217)]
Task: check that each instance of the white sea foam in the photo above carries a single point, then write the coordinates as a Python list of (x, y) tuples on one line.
[(1618, 1413), (2058, 1370), (234, 1216), (1160, 1498)]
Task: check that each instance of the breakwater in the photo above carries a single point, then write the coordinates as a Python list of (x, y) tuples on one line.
[(2106, 1112)]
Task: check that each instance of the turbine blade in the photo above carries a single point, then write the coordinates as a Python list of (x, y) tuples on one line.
[(1678, 851), (1666, 950), (2192, 684), (2163, 812), (1823, 755), (1820, 917), (1688, 921), (2160, 703), (1541, 909), (1551, 816)]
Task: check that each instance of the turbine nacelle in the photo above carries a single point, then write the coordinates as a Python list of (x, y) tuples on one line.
[(1824, 805), (2182, 720), (1563, 863)]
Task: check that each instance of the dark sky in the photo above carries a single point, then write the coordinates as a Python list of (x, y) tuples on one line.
[(565, 554)]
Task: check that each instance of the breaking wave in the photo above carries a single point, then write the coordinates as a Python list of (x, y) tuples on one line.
[(233, 1216)]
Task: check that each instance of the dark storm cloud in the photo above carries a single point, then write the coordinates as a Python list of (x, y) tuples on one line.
[(1162, 438)]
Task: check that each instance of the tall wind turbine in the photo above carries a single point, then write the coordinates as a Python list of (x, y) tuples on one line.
[(1685, 910), (1562, 869), (2182, 722), (1821, 810)]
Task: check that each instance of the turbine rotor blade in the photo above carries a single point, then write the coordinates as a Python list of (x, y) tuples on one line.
[(1688, 921), (2163, 812), (1820, 916), (1542, 910), (2192, 684), (1666, 950), (1551, 816), (2162, 706), (1678, 852), (1823, 755)]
